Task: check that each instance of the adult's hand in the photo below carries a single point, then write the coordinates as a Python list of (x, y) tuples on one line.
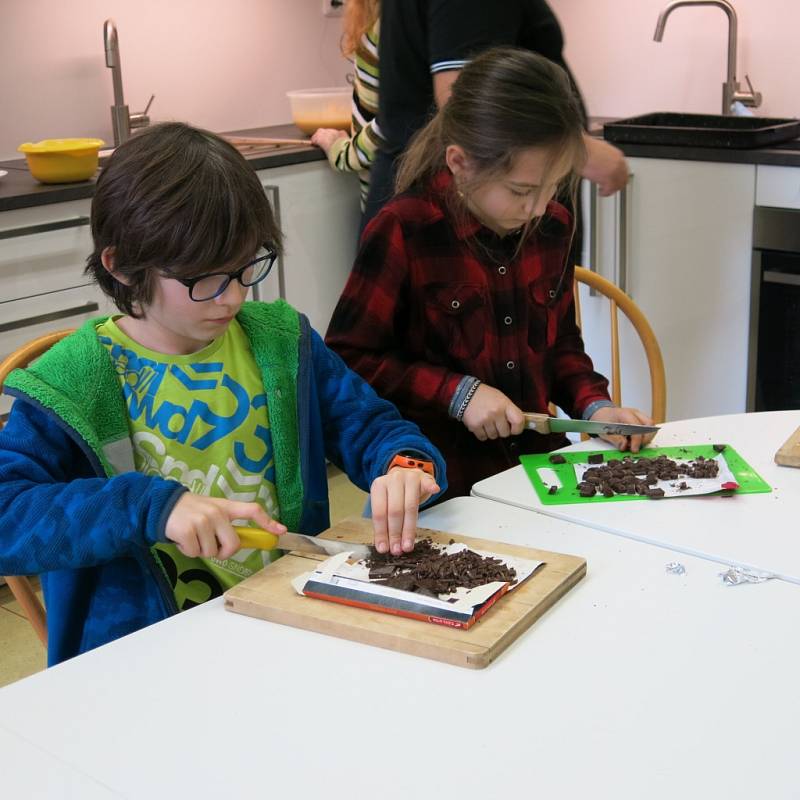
[(605, 165)]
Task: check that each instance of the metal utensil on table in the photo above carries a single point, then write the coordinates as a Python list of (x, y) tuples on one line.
[(542, 423), (264, 540)]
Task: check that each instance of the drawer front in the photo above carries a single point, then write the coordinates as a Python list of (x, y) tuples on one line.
[(778, 187), (24, 320), (43, 249)]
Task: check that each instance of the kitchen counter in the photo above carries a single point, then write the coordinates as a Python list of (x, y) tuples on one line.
[(19, 189), (781, 155)]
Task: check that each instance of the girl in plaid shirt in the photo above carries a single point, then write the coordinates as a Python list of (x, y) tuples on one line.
[(460, 306)]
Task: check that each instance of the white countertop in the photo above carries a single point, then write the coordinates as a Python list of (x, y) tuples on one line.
[(754, 530), (638, 683)]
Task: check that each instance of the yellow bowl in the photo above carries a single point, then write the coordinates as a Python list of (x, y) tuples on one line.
[(62, 160)]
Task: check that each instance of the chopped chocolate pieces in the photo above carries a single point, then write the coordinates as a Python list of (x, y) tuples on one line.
[(719, 448), (552, 489), (429, 571), (596, 458), (640, 476), (557, 459)]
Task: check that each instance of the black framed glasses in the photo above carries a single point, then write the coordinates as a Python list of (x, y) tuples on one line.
[(207, 287)]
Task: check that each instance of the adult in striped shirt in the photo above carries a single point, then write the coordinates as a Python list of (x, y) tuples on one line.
[(356, 152)]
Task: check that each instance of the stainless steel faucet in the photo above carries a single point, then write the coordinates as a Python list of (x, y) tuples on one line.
[(121, 120), (731, 91)]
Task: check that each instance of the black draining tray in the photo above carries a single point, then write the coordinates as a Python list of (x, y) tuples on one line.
[(702, 130)]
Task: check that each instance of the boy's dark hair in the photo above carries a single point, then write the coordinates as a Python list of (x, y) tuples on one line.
[(177, 200)]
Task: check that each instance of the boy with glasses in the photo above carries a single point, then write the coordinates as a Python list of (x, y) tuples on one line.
[(136, 442)]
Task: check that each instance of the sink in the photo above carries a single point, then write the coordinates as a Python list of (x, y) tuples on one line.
[(702, 130)]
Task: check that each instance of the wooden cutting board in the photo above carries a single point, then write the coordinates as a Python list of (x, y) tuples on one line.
[(789, 454), (269, 595)]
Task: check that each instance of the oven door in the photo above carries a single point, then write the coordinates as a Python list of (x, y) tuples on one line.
[(774, 372)]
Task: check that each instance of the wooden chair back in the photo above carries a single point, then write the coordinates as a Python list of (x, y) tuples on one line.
[(21, 586), (620, 301)]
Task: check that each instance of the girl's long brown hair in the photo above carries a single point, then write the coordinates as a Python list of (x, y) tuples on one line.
[(359, 17), (504, 101)]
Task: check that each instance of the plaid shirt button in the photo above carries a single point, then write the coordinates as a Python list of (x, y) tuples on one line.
[(455, 304), (502, 270), (510, 364), (508, 320)]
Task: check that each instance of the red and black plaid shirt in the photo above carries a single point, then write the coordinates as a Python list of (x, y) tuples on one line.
[(432, 299)]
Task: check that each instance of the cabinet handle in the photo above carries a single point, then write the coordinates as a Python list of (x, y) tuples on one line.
[(51, 317), (623, 241), (784, 278), (275, 201), (44, 227), (594, 239)]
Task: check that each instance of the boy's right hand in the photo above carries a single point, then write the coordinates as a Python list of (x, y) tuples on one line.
[(491, 415), (203, 526)]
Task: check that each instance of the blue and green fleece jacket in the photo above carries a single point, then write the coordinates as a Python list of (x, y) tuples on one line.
[(73, 508)]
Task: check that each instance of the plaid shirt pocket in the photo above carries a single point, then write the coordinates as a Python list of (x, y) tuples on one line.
[(543, 314), (456, 318)]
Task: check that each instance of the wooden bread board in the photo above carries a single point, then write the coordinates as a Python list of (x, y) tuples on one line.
[(269, 595), (789, 453)]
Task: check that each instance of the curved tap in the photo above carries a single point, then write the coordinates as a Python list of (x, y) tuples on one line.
[(730, 89), (122, 121)]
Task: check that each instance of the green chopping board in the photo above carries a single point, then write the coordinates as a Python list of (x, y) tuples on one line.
[(748, 479)]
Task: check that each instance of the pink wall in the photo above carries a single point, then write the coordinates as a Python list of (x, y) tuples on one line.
[(622, 71), (220, 65), (227, 65)]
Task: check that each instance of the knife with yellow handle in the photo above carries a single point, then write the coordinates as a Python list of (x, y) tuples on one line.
[(264, 540)]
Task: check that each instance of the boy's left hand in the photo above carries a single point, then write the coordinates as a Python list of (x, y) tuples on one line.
[(631, 416), (395, 499)]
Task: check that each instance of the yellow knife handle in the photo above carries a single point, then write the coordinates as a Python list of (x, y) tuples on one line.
[(537, 422), (256, 538)]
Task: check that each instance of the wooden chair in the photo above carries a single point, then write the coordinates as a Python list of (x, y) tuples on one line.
[(21, 586), (621, 302)]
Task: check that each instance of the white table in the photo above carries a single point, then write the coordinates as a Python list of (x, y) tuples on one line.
[(637, 683), (29, 772), (761, 531)]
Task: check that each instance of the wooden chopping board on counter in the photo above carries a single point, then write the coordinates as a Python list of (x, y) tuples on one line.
[(789, 453), (269, 595)]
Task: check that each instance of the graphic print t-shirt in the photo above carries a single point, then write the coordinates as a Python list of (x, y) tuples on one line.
[(201, 420)]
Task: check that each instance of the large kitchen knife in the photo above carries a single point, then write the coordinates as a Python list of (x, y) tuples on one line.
[(541, 423), (264, 540)]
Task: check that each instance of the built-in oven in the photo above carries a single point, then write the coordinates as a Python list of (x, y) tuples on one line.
[(774, 354)]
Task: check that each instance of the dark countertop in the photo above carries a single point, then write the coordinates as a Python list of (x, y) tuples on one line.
[(19, 189), (781, 155)]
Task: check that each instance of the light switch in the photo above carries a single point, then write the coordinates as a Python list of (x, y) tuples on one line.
[(332, 8)]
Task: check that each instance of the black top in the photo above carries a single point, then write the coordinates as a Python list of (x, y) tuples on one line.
[(422, 37)]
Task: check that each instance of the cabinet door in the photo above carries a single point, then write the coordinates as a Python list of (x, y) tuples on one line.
[(682, 241), (319, 215), (26, 319), (43, 249)]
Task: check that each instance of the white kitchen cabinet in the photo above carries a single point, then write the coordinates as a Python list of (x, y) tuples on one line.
[(778, 187), (680, 244), (319, 215), (43, 253)]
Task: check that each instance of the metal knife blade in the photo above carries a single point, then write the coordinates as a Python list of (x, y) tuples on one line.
[(544, 424), (263, 540)]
